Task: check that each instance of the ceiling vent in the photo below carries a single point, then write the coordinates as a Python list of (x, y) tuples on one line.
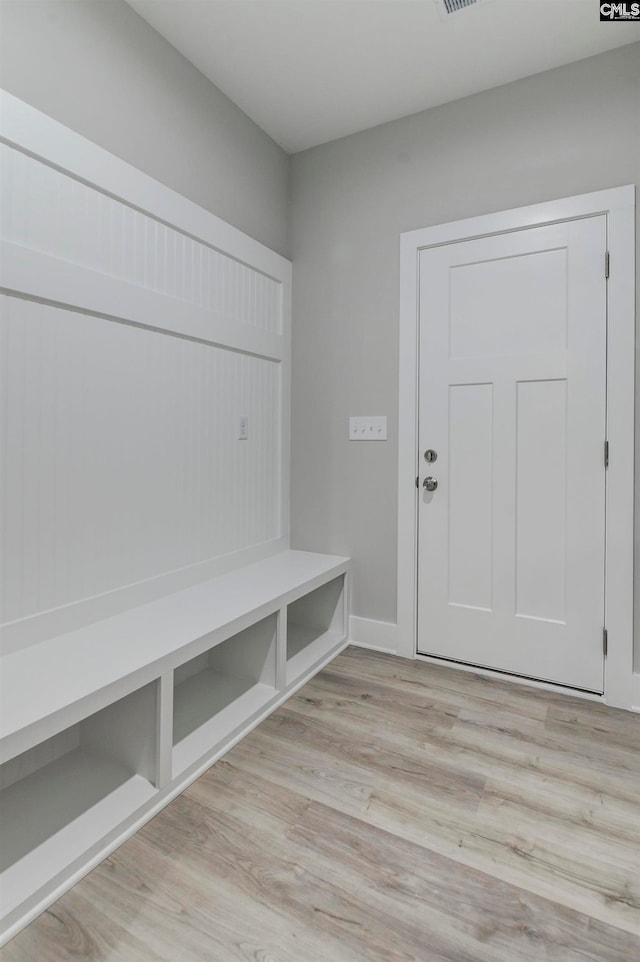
[(447, 7)]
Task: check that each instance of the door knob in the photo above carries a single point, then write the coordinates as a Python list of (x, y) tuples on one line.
[(430, 484)]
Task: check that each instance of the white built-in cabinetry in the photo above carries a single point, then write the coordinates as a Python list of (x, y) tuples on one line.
[(104, 725), (151, 610)]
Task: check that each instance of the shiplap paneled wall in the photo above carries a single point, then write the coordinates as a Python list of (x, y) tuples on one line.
[(45, 210), (129, 349), (123, 460)]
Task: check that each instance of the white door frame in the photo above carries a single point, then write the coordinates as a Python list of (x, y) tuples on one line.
[(618, 204)]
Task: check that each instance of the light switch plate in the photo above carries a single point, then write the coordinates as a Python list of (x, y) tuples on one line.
[(368, 429)]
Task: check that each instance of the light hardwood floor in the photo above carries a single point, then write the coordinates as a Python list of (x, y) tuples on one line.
[(391, 810)]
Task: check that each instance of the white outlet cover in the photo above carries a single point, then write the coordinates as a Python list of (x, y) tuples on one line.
[(243, 428), (368, 428)]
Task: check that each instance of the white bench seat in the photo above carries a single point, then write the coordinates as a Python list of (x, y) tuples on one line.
[(44, 686), (102, 726)]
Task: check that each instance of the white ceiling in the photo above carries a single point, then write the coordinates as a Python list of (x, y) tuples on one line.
[(309, 71)]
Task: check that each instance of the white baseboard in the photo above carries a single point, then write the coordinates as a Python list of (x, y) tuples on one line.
[(635, 692), (378, 635)]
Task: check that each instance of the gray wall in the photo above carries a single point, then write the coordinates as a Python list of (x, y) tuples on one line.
[(97, 67), (567, 131)]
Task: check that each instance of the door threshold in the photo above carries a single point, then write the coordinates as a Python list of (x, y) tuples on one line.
[(500, 675)]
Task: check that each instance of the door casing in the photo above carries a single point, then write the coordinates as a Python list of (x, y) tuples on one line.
[(618, 204)]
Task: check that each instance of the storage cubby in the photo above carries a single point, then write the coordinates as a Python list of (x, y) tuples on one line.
[(83, 762), (218, 692), (76, 787), (314, 623)]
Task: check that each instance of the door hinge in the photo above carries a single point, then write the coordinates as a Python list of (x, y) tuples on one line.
[(605, 641), (606, 454), (418, 481), (607, 262)]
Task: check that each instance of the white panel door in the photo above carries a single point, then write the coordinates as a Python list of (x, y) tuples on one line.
[(513, 401)]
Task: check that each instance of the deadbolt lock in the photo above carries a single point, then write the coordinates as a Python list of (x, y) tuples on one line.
[(430, 455)]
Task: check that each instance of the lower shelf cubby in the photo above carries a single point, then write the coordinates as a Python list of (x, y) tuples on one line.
[(315, 624), (77, 787), (220, 690)]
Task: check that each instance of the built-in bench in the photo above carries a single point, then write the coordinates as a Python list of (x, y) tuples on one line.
[(102, 726)]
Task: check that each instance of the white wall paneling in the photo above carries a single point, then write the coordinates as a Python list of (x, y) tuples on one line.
[(136, 329), (46, 210), (145, 544), (122, 458)]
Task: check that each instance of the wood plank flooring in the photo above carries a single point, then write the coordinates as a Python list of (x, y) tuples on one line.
[(391, 810)]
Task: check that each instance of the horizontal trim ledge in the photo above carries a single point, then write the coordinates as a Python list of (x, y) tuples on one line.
[(35, 133), (30, 274)]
